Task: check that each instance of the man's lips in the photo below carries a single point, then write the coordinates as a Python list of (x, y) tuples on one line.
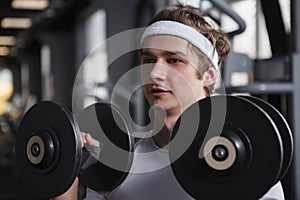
[(159, 91)]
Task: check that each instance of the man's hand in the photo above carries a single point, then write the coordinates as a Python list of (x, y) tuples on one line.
[(87, 139)]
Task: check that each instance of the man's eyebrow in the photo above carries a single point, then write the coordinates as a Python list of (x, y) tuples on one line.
[(146, 52), (175, 53)]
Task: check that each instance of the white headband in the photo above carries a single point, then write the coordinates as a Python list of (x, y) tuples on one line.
[(186, 32)]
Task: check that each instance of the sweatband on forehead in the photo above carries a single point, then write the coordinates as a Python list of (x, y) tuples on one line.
[(185, 32)]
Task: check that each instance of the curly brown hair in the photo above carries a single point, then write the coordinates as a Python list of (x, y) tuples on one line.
[(192, 17)]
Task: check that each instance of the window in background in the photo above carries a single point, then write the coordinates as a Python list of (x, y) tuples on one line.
[(6, 89), (94, 67), (47, 76), (255, 40)]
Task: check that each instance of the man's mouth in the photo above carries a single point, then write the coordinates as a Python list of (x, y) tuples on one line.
[(158, 91)]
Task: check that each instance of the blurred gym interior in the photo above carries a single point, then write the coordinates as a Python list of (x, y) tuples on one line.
[(44, 43)]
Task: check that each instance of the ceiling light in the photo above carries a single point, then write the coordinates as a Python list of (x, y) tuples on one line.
[(4, 51), (30, 4), (7, 40), (10, 22)]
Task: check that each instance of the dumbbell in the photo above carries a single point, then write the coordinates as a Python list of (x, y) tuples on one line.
[(243, 159), (49, 152), (223, 159)]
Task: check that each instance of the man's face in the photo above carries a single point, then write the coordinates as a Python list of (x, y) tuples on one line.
[(170, 73)]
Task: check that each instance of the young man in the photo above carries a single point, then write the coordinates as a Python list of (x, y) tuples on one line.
[(181, 54)]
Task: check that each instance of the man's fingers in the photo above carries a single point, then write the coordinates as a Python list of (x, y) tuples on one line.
[(91, 141), (83, 139), (86, 138)]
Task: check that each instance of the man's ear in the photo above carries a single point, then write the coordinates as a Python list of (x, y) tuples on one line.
[(210, 76)]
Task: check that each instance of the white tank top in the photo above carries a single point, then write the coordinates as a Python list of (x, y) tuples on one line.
[(151, 178)]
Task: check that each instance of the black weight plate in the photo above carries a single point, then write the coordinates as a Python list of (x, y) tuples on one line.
[(284, 130), (106, 124), (57, 178), (248, 181)]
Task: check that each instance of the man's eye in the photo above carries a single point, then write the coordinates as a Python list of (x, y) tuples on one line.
[(148, 60), (174, 61)]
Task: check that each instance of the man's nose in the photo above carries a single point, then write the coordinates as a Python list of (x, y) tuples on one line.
[(158, 71)]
